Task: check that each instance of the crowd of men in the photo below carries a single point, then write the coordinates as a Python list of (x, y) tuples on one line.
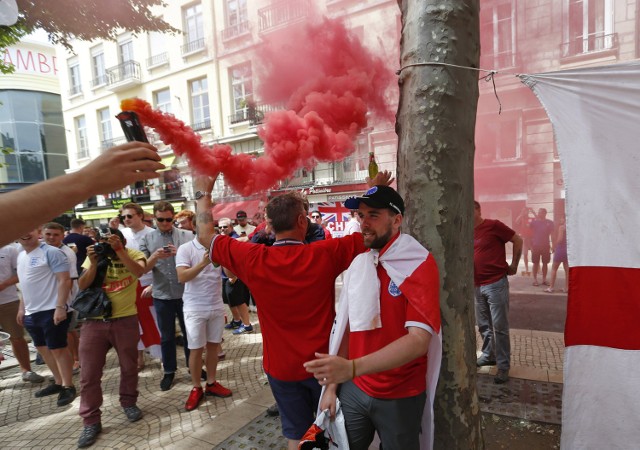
[(155, 276), (377, 355)]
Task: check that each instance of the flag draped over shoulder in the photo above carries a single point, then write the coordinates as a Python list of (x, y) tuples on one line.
[(413, 270), (595, 113)]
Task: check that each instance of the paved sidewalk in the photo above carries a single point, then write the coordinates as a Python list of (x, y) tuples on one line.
[(240, 421)]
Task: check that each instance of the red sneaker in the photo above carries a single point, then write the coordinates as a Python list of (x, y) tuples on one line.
[(218, 390), (195, 397)]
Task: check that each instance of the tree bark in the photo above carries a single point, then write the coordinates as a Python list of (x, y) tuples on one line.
[(435, 126)]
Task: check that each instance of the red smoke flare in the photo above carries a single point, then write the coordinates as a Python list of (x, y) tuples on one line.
[(337, 83)]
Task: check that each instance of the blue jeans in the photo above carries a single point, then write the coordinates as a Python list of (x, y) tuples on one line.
[(492, 310), (167, 310)]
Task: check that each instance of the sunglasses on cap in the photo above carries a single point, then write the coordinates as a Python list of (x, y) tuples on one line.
[(162, 219)]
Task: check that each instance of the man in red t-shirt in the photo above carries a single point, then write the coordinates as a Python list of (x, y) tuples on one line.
[(391, 314), (294, 326), (492, 289)]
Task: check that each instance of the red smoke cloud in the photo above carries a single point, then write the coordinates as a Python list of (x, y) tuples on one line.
[(330, 82)]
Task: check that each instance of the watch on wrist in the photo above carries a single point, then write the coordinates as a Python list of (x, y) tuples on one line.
[(201, 194)]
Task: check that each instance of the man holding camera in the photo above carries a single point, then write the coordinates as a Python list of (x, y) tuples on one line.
[(160, 247), (120, 330)]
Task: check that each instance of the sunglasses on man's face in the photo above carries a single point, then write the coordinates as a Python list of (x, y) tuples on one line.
[(126, 216), (162, 219), (224, 227), (315, 216)]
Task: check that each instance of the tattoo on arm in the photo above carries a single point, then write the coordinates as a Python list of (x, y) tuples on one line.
[(204, 217), (204, 225)]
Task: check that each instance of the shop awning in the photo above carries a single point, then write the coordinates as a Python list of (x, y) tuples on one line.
[(108, 213), (253, 208), (168, 162), (97, 214)]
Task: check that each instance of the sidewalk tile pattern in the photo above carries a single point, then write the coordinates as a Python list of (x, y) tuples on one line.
[(263, 433), (531, 400), (29, 423)]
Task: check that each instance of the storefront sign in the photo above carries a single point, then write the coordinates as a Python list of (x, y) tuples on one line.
[(315, 190), (30, 61), (340, 197), (118, 202)]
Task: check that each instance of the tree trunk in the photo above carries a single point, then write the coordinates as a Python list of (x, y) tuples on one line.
[(435, 126)]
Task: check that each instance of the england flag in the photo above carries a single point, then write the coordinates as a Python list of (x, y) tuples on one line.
[(595, 114)]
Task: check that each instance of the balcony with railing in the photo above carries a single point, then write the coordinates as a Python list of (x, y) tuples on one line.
[(281, 14), (98, 81), (591, 44), (83, 152), (158, 60), (498, 60), (201, 126), (351, 170), (192, 47), (235, 31), (252, 115), (123, 76), (75, 90), (108, 143)]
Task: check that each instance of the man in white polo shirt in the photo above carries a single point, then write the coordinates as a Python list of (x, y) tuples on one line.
[(203, 317), (43, 272), (9, 305)]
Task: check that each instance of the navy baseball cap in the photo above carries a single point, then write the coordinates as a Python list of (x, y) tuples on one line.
[(378, 197)]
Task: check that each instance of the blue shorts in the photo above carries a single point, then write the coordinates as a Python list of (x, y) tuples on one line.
[(297, 402), (43, 332)]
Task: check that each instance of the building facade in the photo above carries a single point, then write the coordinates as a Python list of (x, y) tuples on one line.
[(207, 77), (517, 162)]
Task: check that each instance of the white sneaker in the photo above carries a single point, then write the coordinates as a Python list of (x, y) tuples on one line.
[(32, 377)]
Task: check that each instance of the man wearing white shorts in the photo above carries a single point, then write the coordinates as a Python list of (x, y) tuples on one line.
[(203, 316)]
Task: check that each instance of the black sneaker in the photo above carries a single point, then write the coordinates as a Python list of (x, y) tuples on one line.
[(167, 381), (203, 375), (273, 411), (89, 435), (502, 376), (51, 389), (67, 395), (133, 413)]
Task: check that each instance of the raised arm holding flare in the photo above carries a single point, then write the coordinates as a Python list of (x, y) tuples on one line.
[(280, 278)]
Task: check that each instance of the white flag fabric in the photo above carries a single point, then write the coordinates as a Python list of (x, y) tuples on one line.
[(595, 113)]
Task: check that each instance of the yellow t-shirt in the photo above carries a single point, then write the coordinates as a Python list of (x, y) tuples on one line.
[(121, 285)]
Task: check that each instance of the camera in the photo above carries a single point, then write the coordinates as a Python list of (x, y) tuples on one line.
[(104, 250)]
